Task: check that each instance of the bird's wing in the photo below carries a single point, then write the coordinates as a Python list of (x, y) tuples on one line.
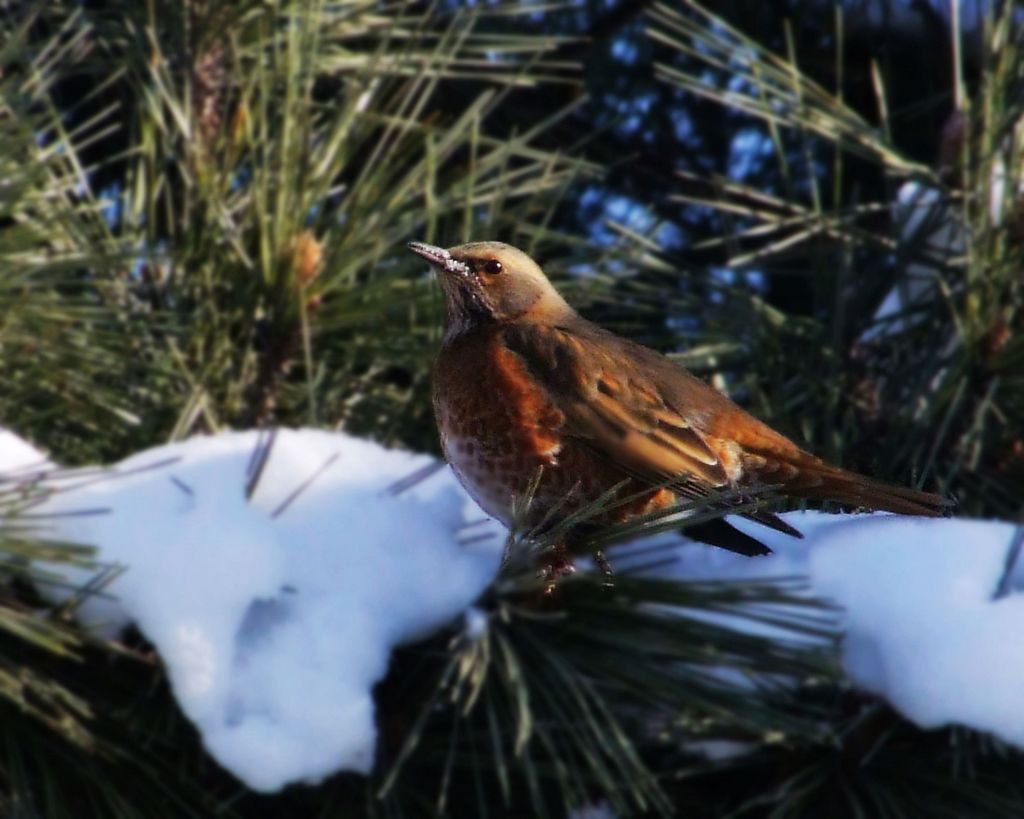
[(641, 411), (664, 426), (615, 404)]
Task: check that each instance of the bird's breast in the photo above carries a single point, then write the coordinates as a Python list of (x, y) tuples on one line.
[(498, 427)]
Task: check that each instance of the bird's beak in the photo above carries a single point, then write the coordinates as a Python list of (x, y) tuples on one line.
[(441, 259), (437, 256)]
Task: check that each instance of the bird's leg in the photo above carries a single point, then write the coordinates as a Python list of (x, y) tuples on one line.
[(559, 564), (577, 543), (601, 559)]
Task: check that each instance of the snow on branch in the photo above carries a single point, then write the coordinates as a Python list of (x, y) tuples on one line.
[(275, 572), (275, 614), (929, 617)]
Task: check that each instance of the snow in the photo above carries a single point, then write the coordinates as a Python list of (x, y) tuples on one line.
[(922, 623), (276, 615), (931, 225), (923, 628), (476, 623), (596, 810), (17, 455)]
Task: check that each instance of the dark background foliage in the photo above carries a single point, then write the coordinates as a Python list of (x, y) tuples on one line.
[(203, 213)]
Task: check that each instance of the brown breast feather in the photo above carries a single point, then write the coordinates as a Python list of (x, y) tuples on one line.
[(484, 390)]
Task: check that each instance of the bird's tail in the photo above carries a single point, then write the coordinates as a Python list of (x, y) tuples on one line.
[(809, 477), (803, 475), (851, 489)]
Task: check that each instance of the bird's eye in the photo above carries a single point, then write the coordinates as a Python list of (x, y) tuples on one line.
[(491, 267)]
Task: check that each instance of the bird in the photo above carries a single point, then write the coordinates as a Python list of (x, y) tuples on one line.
[(531, 397)]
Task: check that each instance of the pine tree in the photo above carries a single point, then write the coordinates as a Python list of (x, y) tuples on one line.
[(203, 216)]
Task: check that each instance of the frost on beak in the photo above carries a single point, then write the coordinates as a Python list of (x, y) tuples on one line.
[(440, 258)]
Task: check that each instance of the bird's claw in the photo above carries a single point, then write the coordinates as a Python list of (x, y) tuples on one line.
[(559, 566), (605, 568)]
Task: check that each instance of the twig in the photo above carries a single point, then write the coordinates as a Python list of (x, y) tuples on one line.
[(302, 487), (258, 461), (1012, 556)]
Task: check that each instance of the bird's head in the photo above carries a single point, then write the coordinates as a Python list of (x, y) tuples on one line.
[(492, 282)]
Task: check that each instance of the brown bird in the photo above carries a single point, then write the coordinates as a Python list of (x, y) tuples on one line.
[(523, 382)]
